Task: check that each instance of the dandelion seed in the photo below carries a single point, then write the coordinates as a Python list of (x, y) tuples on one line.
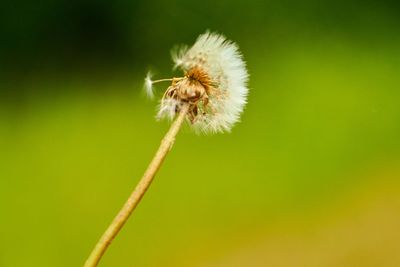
[(214, 84), (148, 85)]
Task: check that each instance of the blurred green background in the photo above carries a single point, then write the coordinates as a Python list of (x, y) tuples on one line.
[(310, 177)]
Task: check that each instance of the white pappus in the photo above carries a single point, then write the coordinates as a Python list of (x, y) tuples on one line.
[(214, 84)]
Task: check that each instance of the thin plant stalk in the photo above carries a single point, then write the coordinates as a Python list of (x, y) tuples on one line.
[(141, 188)]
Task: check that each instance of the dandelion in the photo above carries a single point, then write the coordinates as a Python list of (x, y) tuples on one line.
[(211, 96)]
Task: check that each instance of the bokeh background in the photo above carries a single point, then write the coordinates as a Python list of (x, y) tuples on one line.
[(310, 177)]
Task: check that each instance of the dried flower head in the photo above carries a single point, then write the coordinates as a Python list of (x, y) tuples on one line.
[(214, 84)]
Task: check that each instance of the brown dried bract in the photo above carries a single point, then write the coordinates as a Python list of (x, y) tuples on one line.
[(194, 89)]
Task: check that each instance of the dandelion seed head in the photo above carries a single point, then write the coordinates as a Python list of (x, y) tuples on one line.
[(214, 84)]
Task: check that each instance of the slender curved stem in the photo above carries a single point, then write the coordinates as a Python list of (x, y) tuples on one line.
[(167, 80), (162, 80), (140, 190)]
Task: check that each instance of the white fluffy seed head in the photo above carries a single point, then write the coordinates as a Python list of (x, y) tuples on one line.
[(218, 62), (148, 85)]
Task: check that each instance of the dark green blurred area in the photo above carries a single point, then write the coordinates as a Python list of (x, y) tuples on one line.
[(86, 36), (308, 178)]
